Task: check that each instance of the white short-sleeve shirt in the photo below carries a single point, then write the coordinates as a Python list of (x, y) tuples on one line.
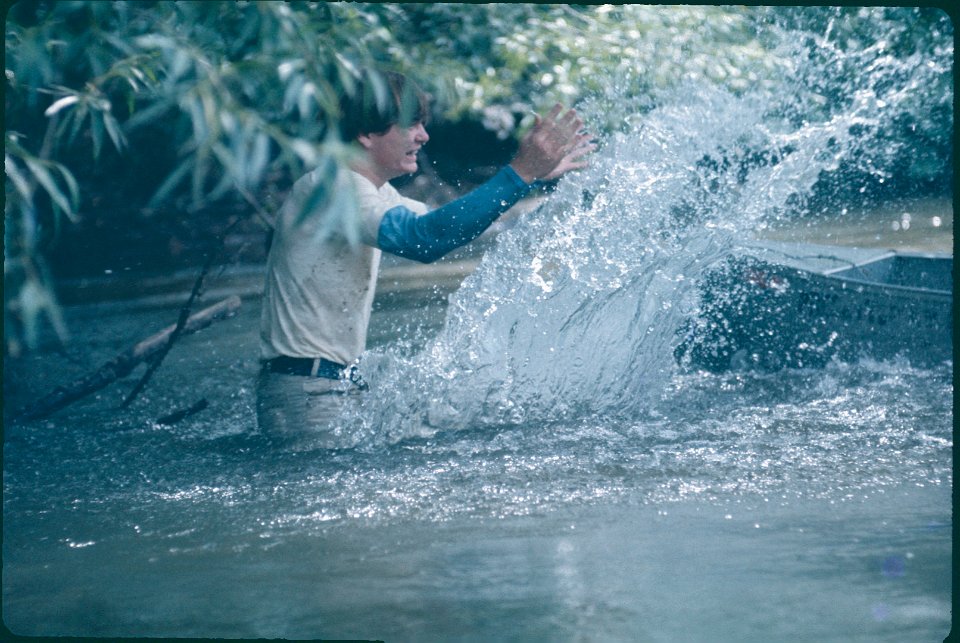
[(320, 283)]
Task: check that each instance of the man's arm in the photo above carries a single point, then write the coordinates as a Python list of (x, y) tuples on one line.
[(428, 237), (554, 146)]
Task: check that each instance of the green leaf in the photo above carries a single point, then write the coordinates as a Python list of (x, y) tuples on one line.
[(171, 182), (71, 184), (45, 179), (34, 299), (96, 132), (319, 197), (74, 121), (113, 129), (201, 168), (259, 158), (17, 178), (148, 114)]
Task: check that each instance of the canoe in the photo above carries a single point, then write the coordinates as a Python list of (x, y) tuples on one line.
[(791, 305)]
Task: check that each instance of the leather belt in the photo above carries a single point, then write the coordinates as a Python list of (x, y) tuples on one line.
[(305, 366)]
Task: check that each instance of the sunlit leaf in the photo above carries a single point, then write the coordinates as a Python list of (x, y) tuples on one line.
[(154, 41), (306, 151), (259, 157), (66, 101), (292, 94), (180, 64), (288, 67), (16, 177)]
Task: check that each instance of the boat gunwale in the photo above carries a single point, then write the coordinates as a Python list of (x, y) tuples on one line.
[(860, 286), (831, 276)]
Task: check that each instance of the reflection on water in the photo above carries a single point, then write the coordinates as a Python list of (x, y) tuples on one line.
[(914, 225)]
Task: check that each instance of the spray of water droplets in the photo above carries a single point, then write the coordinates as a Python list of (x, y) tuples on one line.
[(576, 310)]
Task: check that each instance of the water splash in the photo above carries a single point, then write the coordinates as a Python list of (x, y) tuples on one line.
[(576, 310)]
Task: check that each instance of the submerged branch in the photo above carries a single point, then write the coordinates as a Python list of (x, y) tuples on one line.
[(174, 336), (176, 416), (178, 329), (125, 362)]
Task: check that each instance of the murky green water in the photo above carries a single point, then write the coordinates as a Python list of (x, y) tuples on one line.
[(806, 505)]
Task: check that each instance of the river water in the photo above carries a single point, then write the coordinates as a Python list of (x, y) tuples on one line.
[(531, 462), (801, 505)]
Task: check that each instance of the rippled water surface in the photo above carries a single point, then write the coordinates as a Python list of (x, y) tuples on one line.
[(745, 504), (531, 462)]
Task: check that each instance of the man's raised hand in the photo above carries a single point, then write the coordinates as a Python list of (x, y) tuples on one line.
[(554, 146)]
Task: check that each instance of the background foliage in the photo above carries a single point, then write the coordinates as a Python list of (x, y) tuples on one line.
[(132, 121)]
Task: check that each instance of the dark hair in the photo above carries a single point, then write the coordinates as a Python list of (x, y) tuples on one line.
[(380, 100)]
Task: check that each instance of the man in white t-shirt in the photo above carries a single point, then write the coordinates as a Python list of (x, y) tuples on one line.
[(320, 281)]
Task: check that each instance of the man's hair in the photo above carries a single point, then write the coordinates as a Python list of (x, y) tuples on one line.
[(380, 100)]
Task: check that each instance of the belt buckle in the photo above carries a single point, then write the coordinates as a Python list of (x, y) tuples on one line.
[(352, 373)]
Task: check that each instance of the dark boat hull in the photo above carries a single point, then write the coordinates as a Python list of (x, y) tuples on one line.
[(760, 313)]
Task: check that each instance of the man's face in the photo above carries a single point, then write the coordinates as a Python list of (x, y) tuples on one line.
[(394, 153)]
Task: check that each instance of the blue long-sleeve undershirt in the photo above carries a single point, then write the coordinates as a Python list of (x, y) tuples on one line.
[(428, 237)]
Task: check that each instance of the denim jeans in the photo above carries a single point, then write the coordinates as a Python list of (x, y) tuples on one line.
[(303, 409)]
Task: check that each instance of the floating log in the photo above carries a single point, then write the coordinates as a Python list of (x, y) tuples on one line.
[(124, 363)]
